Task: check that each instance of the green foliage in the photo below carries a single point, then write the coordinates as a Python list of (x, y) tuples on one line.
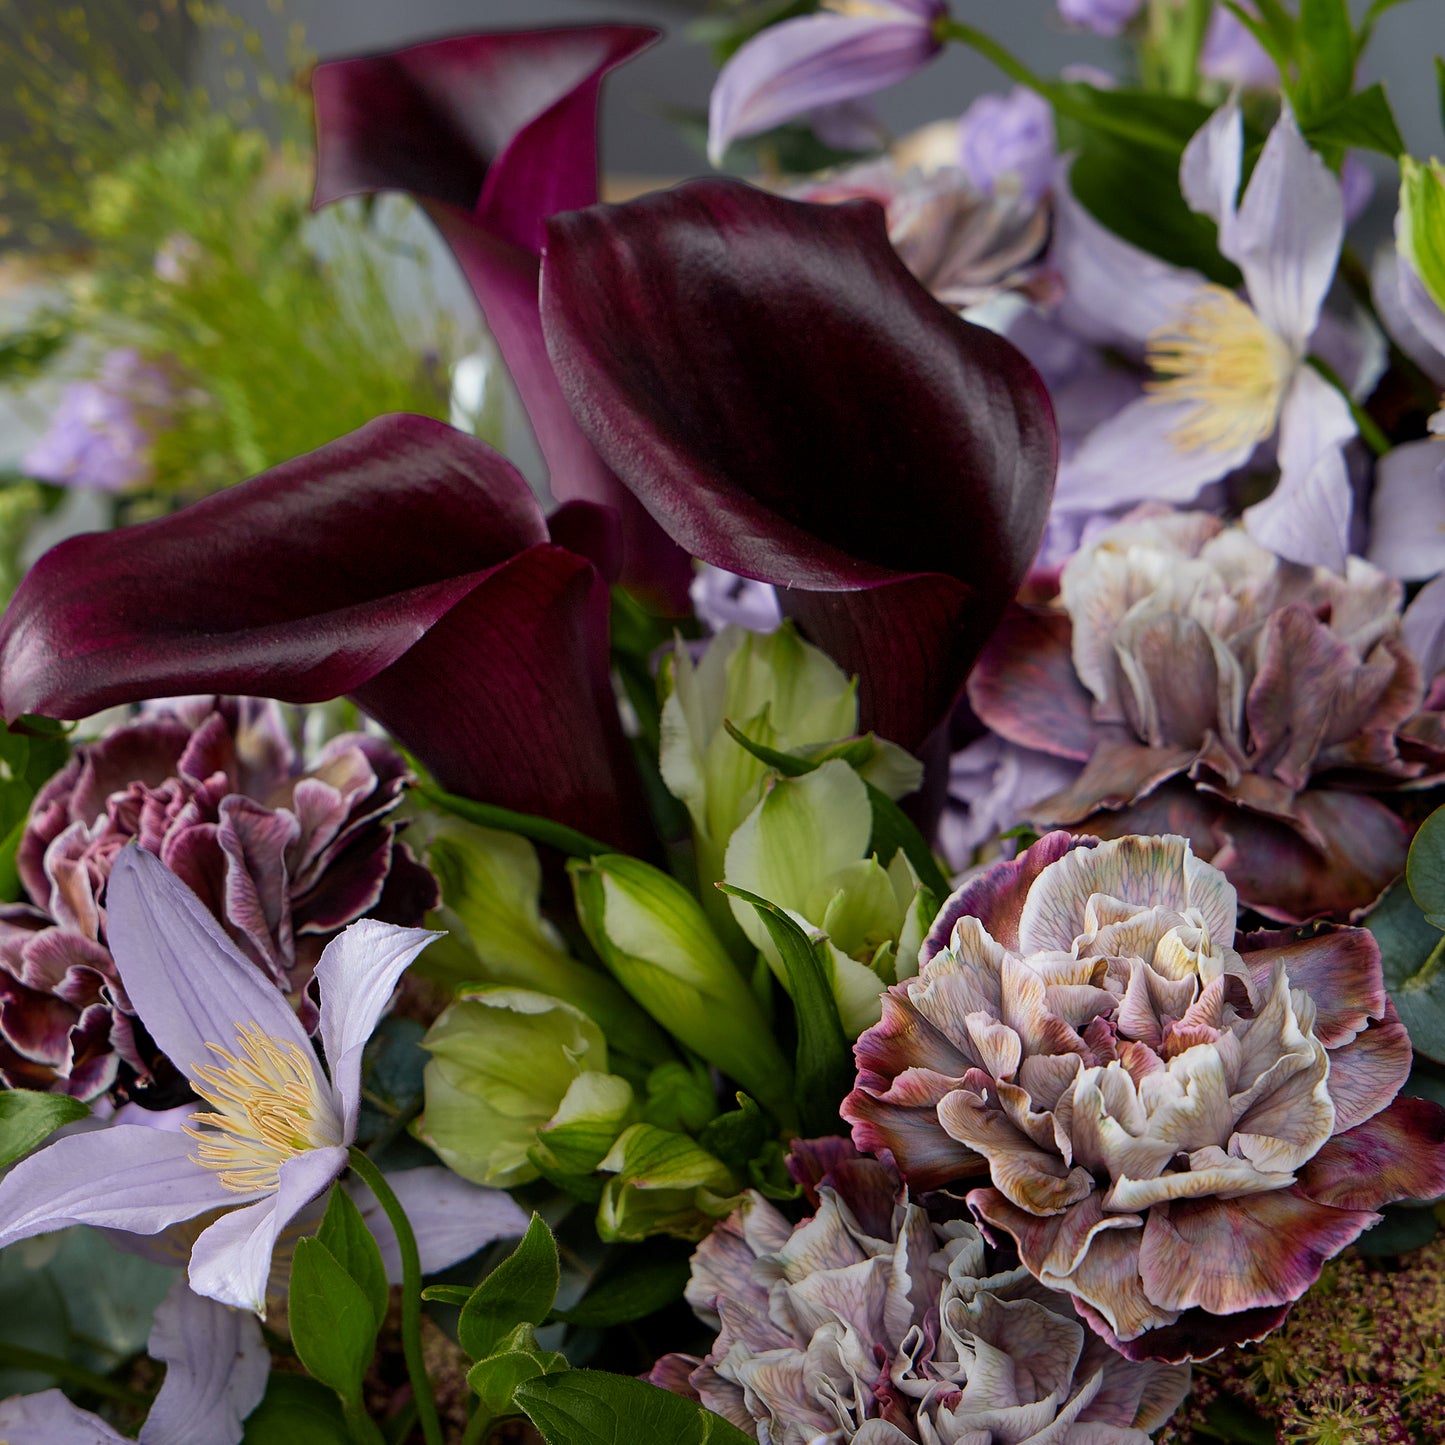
[(521, 1290), (540, 830), (495, 1380), (1412, 951), (1425, 868), (333, 1321), (28, 1118), (1325, 57), (296, 1411), (649, 1280), (344, 1233), (586, 1407), (1365, 121)]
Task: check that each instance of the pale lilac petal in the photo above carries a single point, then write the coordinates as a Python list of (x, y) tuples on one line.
[(1231, 54), (1212, 164), (450, 1217), (1424, 627), (358, 974), (50, 1419), (1421, 307), (1306, 519), (125, 1177), (1398, 304), (185, 978), (1132, 457), (1355, 348), (1114, 293), (1287, 236), (816, 60), (1407, 512), (216, 1370), (1357, 186), (231, 1260)]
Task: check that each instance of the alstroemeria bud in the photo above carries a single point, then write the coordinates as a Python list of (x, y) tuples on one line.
[(508, 1064), (651, 932), (664, 1184), (805, 848)]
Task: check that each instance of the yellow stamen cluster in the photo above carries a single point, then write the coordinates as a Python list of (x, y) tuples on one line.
[(267, 1106), (1221, 357)]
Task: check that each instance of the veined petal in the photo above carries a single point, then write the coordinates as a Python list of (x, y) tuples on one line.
[(1404, 306), (1424, 312), (216, 1370), (1424, 624), (790, 69), (1287, 236), (185, 978), (1211, 167), (231, 1260), (126, 1177), (48, 1418), (358, 974), (1407, 513)]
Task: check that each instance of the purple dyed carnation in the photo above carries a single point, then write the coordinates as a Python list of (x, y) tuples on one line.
[(1007, 141), (102, 433), (283, 853)]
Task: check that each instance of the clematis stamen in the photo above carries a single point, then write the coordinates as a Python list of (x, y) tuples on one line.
[(1221, 357), (267, 1106)]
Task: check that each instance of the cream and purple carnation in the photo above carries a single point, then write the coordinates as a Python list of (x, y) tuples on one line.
[(1201, 685), (1178, 1126), (284, 852), (881, 1321)]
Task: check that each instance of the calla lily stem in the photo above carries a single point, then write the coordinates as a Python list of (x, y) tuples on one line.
[(410, 1294)]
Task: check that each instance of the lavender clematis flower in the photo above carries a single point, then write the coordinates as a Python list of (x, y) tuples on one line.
[(278, 1128), (1230, 371), (1103, 17), (1007, 142), (216, 1370), (1231, 54), (799, 66), (723, 599)]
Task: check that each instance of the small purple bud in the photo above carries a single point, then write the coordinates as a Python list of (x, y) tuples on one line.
[(1007, 141), (1103, 17), (1230, 53)]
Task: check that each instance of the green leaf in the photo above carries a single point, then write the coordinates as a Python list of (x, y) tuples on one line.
[(447, 1294), (824, 1069), (1325, 54), (1403, 1228), (587, 1407), (1411, 949), (296, 1411), (332, 1323), (1364, 121), (27, 1118), (648, 1282), (1425, 868), (539, 830), (495, 1379), (519, 1291), (1440, 84), (344, 1233)]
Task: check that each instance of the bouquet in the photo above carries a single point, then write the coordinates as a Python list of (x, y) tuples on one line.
[(898, 900)]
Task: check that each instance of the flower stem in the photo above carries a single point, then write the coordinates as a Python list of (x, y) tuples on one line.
[(426, 1405), (1370, 432), (20, 1358)]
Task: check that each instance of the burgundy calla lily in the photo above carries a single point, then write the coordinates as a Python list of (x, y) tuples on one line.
[(492, 134), (406, 565), (793, 406)]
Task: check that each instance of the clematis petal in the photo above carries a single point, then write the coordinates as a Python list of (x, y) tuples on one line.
[(1287, 236), (231, 1260), (1408, 312), (184, 976), (813, 61), (1397, 1154), (1424, 312), (1407, 513), (451, 1217), (48, 1418), (493, 133), (407, 564), (216, 1370), (1212, 164), (1306, 519), (357, 974), (126, 1177), (1423, 625), (791, 405)]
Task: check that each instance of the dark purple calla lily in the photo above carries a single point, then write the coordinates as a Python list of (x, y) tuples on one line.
[(492, 134), (407, 565), (793, 406)]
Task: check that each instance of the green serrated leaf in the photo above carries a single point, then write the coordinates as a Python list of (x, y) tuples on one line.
[(588, 1407), (824, 1068), (641, 1287), (332, 1322), (344, 1233), (1364, 121), (28, 1118), (296, 1411), (521, 1290), (1411, 950)]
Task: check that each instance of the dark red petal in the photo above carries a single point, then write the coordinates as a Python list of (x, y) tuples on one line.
[(1399, 1154), (406, 564), (792, 405)]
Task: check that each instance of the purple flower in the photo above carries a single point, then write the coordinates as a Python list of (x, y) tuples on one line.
[(283, 854), (802, 65), (1103, 17), (102, 432), (723, 599), (278, 1129), (1231, 54), (1006, 142)]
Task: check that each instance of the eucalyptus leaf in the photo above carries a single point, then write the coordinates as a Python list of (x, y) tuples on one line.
[(1411, 950), (587, 1407), (28, 1118), (296, 1411), (332, 1323), (1425, 868), (521, 1290), (344, 1233)]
